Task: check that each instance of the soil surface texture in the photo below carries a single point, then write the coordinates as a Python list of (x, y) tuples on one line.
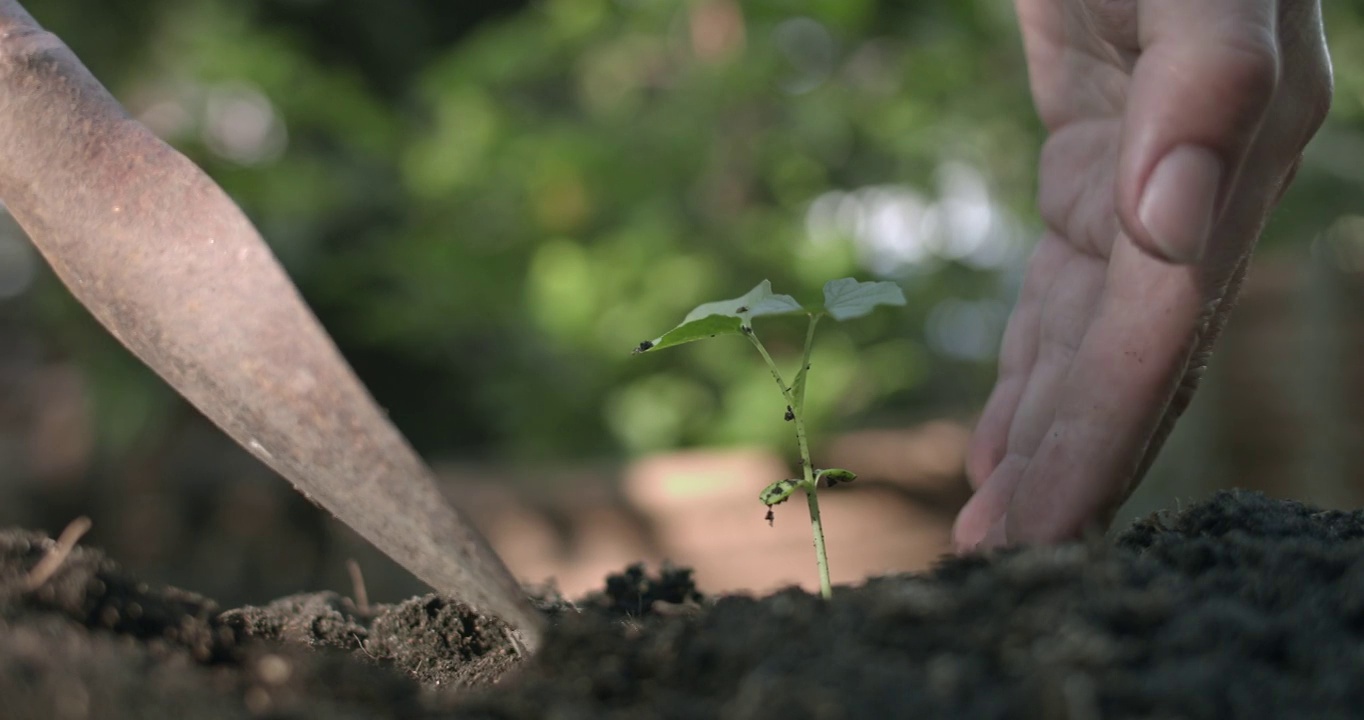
[(1240, 607)]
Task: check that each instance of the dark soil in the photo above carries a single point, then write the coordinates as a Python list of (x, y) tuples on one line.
[(1239, 607)]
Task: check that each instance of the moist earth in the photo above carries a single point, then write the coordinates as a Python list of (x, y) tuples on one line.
[(1240, 606)]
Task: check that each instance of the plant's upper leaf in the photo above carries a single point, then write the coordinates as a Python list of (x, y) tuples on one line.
[(757, 302), (724, 317), (846, 298), (694, 330)]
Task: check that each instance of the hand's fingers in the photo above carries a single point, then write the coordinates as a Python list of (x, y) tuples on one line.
[(1066, 316), (1155, 326), (988, 440), (1120, 384), (1298, 111), (988, 504), (1218, 312), (1207, 72), (1076, 285), (1043, 26), (1017, 353)]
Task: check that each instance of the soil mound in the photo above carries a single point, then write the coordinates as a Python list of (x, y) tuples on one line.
[(1241, 607)]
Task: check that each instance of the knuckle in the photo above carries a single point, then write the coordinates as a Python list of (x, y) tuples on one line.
[(1250, 66), (1307, 61), (1320, 108), (1321, 91), (1115, 21)]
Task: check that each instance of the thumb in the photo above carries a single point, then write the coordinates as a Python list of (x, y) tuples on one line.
[(1203, 79)]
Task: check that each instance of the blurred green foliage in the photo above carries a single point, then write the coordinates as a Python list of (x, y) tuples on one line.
[(490, 205)]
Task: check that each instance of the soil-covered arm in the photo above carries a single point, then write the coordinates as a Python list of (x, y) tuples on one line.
[(171, 266)]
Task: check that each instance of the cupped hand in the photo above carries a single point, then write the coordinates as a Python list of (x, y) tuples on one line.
[(1174, 127)]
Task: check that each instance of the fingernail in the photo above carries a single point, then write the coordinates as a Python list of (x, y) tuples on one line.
[(1178, 205)]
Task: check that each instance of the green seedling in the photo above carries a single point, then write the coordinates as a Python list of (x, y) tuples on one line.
[(844, 299)]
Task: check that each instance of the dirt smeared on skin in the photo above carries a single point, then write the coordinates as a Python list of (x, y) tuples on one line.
[(1239, 607)]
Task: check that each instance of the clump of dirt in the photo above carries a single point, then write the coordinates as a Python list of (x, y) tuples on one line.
[(1238, 607), (94, 642)]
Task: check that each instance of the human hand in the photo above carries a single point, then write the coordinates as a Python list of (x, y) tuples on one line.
[(1174, 127)]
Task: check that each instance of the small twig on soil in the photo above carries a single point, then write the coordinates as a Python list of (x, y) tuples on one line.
[(515, 640), (357, 584), (633, 628), (361, 645), (48, 566)]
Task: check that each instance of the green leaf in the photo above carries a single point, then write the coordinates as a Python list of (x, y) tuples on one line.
[(846, 298), (724, 317), (779, 492), (694, 330), (757, 302), (834, 476)]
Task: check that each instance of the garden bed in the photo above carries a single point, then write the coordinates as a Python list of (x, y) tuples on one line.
[(1238, 607)]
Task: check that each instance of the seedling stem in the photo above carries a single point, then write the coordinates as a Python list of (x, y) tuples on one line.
[(795, 399)]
